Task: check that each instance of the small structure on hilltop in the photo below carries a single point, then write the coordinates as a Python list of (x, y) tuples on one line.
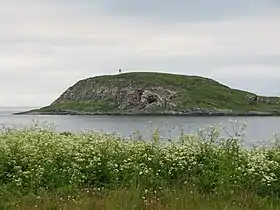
[(120, 71)]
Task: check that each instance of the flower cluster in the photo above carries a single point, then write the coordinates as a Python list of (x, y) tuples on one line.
[(35, 158)]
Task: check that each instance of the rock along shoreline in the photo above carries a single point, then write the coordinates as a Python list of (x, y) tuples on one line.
[(167, 113)]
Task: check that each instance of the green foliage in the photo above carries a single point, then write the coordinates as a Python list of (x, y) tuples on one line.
[(175, 198), (35, 161), (82, 106)]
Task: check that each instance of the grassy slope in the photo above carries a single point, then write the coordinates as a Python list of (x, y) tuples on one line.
[(194, 92)]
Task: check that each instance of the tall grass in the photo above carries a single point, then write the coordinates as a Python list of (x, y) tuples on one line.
[(41, 167)]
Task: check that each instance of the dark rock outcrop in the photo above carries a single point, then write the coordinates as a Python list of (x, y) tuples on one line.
[(253, 100)]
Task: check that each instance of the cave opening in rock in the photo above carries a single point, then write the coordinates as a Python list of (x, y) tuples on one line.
[(152, 99)]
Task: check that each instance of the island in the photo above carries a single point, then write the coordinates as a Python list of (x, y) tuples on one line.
[(154, 93)]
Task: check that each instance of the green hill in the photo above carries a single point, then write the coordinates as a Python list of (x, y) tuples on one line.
[(158, 93)]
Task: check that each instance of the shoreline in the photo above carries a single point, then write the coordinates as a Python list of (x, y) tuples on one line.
[(183, 114)]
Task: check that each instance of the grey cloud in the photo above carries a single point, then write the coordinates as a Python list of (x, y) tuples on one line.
[(48, 45), (184, 10)]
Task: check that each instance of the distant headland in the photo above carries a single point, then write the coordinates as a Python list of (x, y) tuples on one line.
[(152, 93)]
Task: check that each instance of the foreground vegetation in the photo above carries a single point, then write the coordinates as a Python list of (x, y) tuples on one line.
[(40, 168)]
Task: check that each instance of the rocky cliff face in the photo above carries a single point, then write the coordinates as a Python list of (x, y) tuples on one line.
[(133, 98)]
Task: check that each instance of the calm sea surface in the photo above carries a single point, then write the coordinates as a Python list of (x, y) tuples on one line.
[(258, 129)]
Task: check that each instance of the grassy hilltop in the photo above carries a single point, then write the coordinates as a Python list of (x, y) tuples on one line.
[(158, 93)]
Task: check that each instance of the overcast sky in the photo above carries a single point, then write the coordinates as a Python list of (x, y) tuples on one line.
[(48, 45)]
